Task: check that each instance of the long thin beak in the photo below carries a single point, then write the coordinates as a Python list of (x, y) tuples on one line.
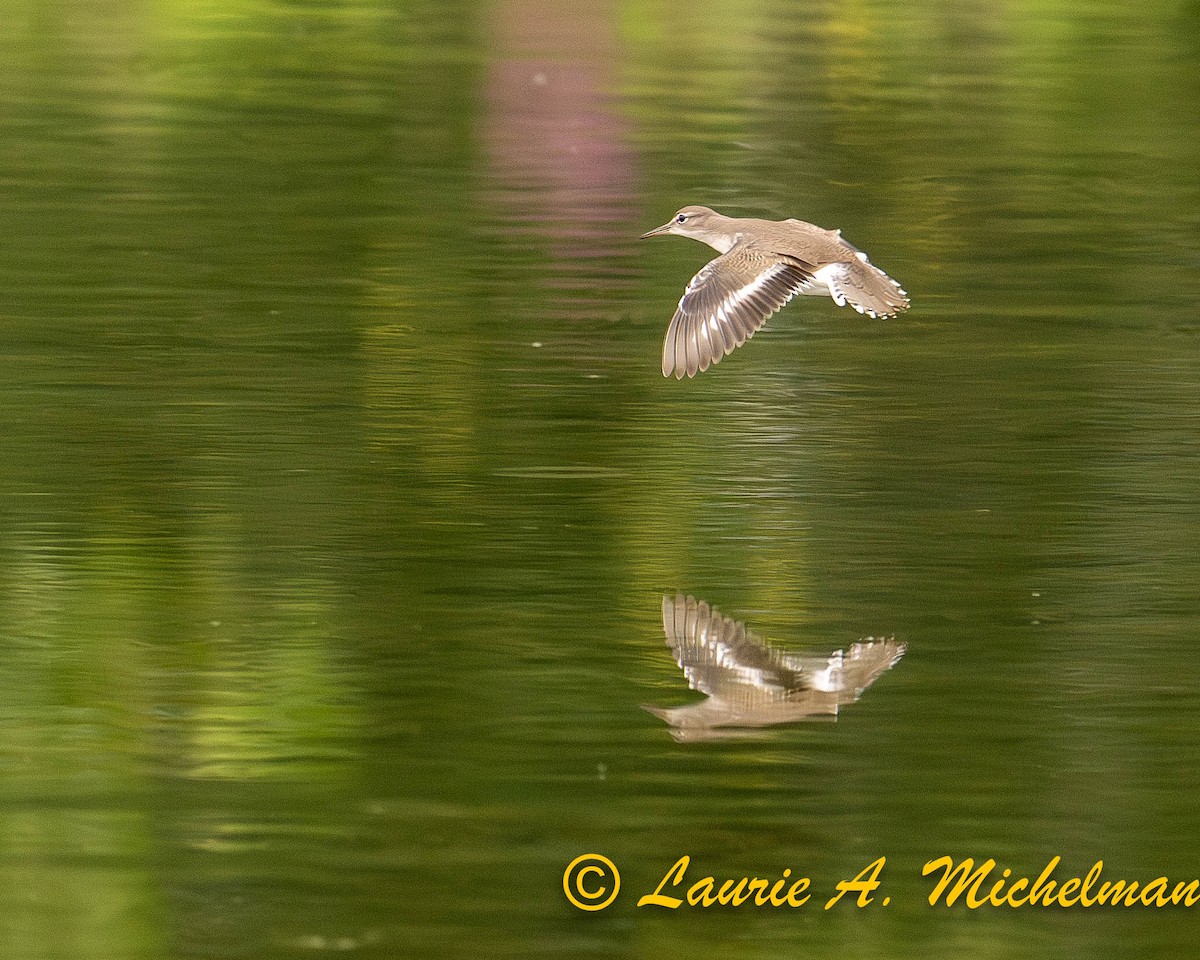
[(658, 231)]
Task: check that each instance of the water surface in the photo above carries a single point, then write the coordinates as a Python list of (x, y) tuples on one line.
[(340, 490)]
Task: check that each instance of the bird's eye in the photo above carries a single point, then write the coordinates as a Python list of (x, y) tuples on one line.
[(682, 218)]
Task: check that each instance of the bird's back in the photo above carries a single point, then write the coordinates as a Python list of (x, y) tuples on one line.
[(801, 240), (837, 266)]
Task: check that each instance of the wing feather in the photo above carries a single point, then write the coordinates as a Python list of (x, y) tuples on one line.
[(865, 287), (725, 304)]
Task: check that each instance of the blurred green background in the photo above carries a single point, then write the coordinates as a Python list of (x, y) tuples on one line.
[(339, 486)]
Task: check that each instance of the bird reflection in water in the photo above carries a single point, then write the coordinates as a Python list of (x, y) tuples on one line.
[(749, 684)]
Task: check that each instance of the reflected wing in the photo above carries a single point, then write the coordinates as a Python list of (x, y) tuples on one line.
[(725, 304), (720, 657), (848, 673)]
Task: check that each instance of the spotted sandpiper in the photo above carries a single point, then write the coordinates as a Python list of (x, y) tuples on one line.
[(763, 264)]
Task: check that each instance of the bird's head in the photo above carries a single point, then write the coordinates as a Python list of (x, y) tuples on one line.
[(695, 222)]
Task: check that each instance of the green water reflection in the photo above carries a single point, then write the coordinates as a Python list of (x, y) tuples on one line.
[(340, 488)]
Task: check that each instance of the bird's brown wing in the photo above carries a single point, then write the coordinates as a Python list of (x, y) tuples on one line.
[(725, 304), (865, 287)]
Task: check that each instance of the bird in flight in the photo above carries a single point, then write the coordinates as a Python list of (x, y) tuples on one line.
[(762, 265)]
